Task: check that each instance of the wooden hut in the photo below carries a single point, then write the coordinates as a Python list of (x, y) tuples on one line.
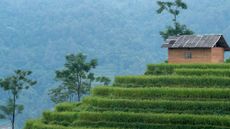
[(196, 48)]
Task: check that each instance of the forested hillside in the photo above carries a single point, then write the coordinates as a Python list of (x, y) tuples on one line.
[(122, 34)]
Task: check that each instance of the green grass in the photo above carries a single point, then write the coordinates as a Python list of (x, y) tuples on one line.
[(163, 93), (203, 72), (169, 96), (148, 118), (172, 81), (158, 106), (164, 69), (32, 124), (62, 107), (138, 125), (60, 118)]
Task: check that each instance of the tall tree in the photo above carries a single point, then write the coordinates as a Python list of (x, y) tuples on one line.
[(76, 78), (14, 84), (174, 8), (8, 110)]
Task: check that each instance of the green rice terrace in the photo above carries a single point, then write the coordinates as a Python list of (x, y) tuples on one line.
[(192, 96)]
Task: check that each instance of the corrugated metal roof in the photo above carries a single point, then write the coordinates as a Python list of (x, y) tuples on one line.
[(195, 41)]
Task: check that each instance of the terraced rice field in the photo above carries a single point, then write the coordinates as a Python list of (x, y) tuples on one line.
[(195, 96)]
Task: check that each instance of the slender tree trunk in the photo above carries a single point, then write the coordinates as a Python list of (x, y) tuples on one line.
[(175, 18), (78, 87), (14, 108), (78, 93), (175, 21), (79, 90), (70, 97)]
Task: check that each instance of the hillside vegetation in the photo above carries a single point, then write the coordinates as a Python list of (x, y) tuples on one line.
[(188, 96)]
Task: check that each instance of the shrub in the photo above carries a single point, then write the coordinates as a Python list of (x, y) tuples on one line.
[(29, 124), (62, 107), (227, 60), (60, 118)]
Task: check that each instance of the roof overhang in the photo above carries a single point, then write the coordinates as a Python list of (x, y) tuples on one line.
[(196, 41)]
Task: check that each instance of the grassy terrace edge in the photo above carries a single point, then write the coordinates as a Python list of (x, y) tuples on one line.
[(163, 92), (173, 81), (129, 117), (162, 69), (36, 124), (157, 106), (145, 125), (203, 72), (161, 118)]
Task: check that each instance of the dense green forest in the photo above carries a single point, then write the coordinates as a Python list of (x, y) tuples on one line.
[(122, 34)]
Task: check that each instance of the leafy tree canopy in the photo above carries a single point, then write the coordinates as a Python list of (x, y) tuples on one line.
[(173, 8), (76, 79), (174, 31), (14, 84), (227, 60), (6, 111)]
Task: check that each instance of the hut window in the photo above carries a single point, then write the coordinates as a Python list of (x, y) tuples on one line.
[(188, 55)]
